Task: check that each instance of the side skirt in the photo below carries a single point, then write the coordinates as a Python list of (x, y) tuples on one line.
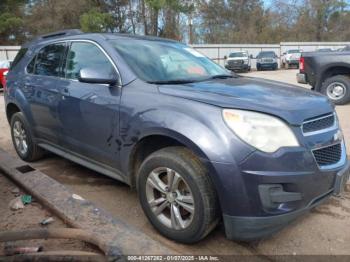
[(87, 162)]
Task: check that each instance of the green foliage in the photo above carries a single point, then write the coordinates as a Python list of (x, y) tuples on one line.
[(10, 28), (96, 21)]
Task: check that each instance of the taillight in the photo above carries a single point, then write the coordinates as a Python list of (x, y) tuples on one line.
[(4, 80), (301, 64)]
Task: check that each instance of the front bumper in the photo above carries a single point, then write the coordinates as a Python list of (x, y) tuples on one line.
[(249, 228), (267, 65), (237, 67), (292, 62)]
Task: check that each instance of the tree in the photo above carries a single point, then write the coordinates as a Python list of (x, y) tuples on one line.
[(212, 21), (96, 21), (46, 16), (11, 23)]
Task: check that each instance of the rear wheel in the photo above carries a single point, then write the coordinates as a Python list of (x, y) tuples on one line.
[(177, 195), (337, 89), (23, 139)]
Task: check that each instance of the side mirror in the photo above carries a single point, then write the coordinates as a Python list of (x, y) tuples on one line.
[(225, 57), (96, 76)]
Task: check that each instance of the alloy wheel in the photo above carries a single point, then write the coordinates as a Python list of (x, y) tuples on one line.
[(20, 137), (170, 198)]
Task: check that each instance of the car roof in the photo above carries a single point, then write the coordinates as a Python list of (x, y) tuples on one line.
[(76, 34)]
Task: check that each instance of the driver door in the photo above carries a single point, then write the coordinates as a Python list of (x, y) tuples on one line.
[(89, 112)]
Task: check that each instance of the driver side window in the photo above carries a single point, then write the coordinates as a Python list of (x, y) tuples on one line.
[(86, 55)]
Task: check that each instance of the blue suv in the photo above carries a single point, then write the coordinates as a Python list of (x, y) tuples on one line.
[(200, 144)]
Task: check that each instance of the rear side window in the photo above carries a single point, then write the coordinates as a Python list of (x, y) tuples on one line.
[(86, 55), (19, 57), (31, 66), (49, 60)]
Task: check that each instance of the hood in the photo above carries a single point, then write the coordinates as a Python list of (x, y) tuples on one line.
[(291, 103)]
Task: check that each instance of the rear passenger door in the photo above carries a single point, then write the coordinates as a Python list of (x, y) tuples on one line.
[(42, 93), (89, 113)]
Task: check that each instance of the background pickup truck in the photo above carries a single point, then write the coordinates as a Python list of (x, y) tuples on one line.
[(328, 73)]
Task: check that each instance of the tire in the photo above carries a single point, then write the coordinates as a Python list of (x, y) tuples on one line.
[(178, 162), (32, 151), (340, 81)]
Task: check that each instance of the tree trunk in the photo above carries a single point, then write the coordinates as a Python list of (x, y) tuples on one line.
[(154, 20), (143, 17)]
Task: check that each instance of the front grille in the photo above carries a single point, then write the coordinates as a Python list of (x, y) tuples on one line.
[(267, 60), (328, 155), (235, 62), (319, 123)]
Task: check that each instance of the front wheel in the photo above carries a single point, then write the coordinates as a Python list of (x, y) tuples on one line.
[(177, 195), (337, 89)]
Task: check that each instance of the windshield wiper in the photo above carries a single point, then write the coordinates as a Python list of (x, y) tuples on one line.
[(172, 82)]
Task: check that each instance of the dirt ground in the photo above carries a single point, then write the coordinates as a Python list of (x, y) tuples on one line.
[(325, 231), (30, 218)]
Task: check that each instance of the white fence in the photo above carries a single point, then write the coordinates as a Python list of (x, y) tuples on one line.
[(217, 51), (8, 52)]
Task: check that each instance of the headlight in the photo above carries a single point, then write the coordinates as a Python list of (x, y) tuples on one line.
[(262, 131), (246, 61)]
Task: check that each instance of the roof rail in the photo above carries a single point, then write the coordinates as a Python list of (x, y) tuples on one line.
[(62, 33)]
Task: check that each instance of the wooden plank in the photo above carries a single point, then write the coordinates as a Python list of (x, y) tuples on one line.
[(80, 213)]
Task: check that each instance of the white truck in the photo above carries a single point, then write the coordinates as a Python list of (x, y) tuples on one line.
[(238, 61), (291, 58)]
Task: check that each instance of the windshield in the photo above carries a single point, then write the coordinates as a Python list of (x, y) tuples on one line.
[(293, 51), (267, 54), (156, 61), (238, 54)]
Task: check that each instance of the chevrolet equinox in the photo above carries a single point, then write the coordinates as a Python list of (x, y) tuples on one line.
[(200, 144)]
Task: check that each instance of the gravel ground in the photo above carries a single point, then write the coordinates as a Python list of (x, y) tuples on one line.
[(29, 218), (325, 231)]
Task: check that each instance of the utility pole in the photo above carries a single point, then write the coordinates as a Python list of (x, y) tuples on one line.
[(190, 29)]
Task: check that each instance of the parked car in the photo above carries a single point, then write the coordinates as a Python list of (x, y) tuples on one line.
[(327, 73), (238, 61), (345, 48), (3, 80), (4, 67), (267, 60), (291, 58), (199, 144), (323, 49)]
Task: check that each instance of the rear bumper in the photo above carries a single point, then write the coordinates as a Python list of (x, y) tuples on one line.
[(301, 78), (253, 228)]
